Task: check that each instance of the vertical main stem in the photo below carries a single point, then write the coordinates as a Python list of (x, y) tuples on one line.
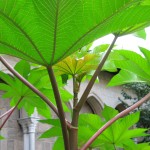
[(60, 107), (73, 132), (75, 91)]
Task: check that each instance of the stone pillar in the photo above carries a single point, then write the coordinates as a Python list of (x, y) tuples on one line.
[(29, 128)]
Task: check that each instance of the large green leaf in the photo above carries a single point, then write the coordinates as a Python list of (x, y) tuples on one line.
[(134, 68), (45, 31), (124, 77), (52, 132), (116, 135), (130, 145), (13, 88)]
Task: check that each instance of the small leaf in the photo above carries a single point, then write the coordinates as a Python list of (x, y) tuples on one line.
[(1, 137), (52, 132), (141, 34), (146, 53), (7, 78), (64, 78), (124, 77), (59, 144), (23, 68), (109, 112), (54, 122)]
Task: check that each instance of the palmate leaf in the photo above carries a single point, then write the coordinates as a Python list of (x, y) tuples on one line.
[(134, 68), (124, 77), (74, 66), (117, 134), (54, 131), (46, 31), (87, 128), (13, 88), (130, 145), (113, 56), (136, 58)]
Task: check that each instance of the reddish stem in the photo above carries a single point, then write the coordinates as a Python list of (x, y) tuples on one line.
[(29, 85), (10, 113), (6, 113), (59, 107)]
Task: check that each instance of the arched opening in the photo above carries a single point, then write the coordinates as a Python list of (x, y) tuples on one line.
[(92, 105)]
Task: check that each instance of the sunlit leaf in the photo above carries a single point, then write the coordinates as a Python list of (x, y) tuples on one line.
[(141, 34), (52, 132), (59, 144), (134, 68), (115, 135), (1, 137), (45, 31)]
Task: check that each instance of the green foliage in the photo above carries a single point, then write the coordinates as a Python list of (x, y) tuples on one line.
[(109, 65), (62, 27), (47, 31), (13, 88), (1, 138), (130, 145), (79, 65), (141, 34), (140, 89), (116, 135), (54, 131), (134, 68)]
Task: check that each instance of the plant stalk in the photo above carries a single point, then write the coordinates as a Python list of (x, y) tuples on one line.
[(96, 73), (75, 91), (73, 132), (6, 113), (59, 107), (10, 112), (29, 85), (110, 122)]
